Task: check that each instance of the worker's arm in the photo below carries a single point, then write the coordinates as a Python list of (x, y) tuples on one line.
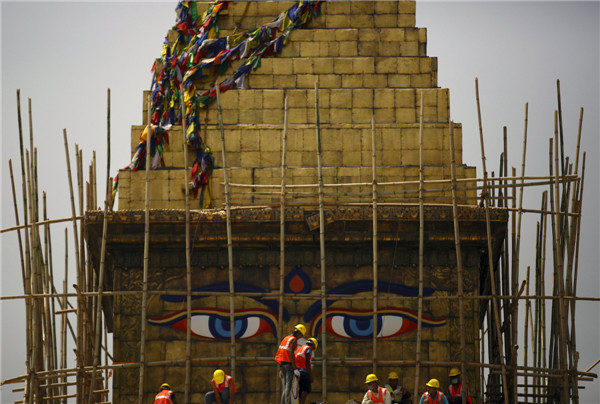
[(293, 346), (217, 393), (422, 399), (365, 398), (387, 397), (308, 367), (232, 394), (445, 400)]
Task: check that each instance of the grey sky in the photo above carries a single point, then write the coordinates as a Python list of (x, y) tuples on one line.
[(64, 56)]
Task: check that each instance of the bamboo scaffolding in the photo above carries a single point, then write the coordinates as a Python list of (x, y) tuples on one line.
[(100, 287), (300, 297), (321, 249), (229, 238), (490, 250), (375, 252), (49, 381), (188, 262), (459, 268), (565, 391), (282, 227), (148, 157), (421, 239)]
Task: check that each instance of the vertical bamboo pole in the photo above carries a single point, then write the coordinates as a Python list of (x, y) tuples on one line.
[(525, 342), (36, 330), (574, 240), (560, 280), (322, 249), (515, 398), (421, 239), (150, 133), (490, 249), (63, 320), (80, 304), (282, 229), (560, 127), (26, 284), (375, 251), (229, 242), (100, 287), (48, 302), (459, 268), (542, 292), (188, 261), (516, 261)]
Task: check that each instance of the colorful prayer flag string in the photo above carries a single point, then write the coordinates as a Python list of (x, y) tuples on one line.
[(199, 53)]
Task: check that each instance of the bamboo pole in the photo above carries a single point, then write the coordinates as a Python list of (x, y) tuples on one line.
[(36, 327), (459, 268), (100, 287), (560, 281), (375, 251), (80, 305), (150, 133), (229, 242), (63, 318), (282, 228), (490, 250), (421, 240), (26, 284), (188, 261), (526, 335), (49, 332), (322, 250)]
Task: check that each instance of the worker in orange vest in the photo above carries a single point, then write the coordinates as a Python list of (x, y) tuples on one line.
[(304, 356), (432, 395), (223, 389), (287, 362), (376, 394), (455, 388), (165, 395)]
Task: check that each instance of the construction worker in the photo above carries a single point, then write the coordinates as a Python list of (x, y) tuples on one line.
[(304, 355), (399, 394), (455, 388), (432, 395), (223, 389), (287, 361), (376, 394), (165, 395)]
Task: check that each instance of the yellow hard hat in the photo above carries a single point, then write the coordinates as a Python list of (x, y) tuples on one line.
[(165, 386), (314, 341), (433, 383), (371, 378), (454, 372), (301, 328), (393, 375), (219, 376)]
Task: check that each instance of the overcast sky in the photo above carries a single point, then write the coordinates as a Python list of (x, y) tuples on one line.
[(64, 56)]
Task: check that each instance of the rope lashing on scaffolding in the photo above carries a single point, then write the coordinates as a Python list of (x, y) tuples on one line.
[(199, 53)]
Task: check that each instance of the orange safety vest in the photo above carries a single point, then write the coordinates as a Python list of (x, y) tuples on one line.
[(381, 394), (301, 356), (285, 347), (164, 397), (457, 392), (226, 384), (438, 399)]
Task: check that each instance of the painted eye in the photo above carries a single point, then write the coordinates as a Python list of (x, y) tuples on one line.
[(358, 324), (214, 324)]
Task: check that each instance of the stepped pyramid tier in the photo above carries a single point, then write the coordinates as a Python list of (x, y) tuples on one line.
[(373, 76), (369, 61)]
